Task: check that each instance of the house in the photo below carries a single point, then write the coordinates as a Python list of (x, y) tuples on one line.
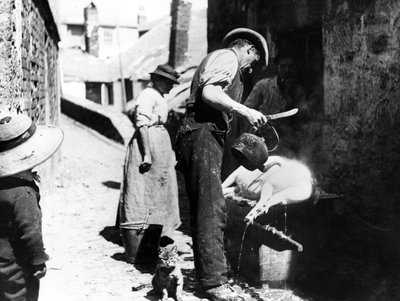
[(111, 24), (118, 79), (91, 33)]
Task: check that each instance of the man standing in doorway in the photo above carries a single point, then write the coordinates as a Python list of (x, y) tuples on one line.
[(216, 90), (280, 93)]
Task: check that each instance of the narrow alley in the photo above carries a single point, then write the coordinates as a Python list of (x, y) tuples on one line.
[(86, 255), (208, 73)]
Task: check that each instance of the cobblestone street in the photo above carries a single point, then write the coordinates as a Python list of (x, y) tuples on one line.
[(86, 258)]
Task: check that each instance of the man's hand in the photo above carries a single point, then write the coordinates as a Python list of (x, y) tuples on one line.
[(259, 209), (146, 164), (214, 96), (39, 271), (255, 118), (228, 190)]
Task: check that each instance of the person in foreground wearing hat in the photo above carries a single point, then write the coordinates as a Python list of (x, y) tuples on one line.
[(149, 191), (215, 93), (23, 145)]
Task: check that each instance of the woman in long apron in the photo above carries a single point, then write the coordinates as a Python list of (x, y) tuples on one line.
[(149, 192)]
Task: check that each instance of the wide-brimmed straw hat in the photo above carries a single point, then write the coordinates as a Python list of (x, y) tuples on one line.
[(254, 37), (24, 145), (167, 71)]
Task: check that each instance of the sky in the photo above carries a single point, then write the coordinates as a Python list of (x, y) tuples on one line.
[(155, 9), (108, 10), (126, 10)]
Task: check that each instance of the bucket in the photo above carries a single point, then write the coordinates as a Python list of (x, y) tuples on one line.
[(274, 265), (252, 150), (141, 244)]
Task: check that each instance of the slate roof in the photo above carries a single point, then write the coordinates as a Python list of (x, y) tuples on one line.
[(152, 48), (80, 66)]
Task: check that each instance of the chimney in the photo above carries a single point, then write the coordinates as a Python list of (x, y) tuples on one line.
[(179, 38), (91, 20)]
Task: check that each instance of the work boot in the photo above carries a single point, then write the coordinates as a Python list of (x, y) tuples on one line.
[(223, 292)]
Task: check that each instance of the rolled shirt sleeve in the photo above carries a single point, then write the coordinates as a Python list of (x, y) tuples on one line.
[(145, 109), (220, 69)]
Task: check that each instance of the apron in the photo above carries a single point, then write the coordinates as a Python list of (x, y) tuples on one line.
[(152, 197)]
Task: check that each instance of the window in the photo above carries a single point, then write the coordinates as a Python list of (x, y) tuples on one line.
[(93, 91), (76, 30), (108, 35), (75, 36), (128, 89)]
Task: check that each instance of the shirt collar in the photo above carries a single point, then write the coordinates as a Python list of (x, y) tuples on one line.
[(24, 175)]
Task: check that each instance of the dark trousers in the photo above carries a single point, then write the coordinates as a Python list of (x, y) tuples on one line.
[(199, 153), (16, 283)]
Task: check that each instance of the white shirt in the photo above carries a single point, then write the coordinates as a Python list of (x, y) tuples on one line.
[(151, 108), (220, 68)]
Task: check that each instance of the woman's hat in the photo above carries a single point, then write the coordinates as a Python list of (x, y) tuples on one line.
[(24, 145), (254, 37), (166, 71)]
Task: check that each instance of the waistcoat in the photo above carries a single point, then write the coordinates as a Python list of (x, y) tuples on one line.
[(201, 111)]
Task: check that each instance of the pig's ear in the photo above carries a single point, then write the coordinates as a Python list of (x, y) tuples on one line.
[(270, 165)]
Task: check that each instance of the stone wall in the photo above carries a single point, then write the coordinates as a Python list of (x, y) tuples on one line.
[(361, 80), (269, 18), (351, 245), (10, 53), (359, 60), (29, 60), (39, 55)]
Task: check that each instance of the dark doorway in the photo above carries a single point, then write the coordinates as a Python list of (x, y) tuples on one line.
[(307, 42), (128, 89), (110, 93), (93, 91)]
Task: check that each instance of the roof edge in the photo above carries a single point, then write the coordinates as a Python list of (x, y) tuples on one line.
[(46, 13)]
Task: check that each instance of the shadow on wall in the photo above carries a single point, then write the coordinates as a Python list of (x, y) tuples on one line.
[(345, 257), (92, 119)]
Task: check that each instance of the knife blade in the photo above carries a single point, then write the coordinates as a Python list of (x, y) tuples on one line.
[(283, 114)]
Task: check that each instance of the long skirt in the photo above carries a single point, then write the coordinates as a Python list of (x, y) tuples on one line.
[(151, 197)]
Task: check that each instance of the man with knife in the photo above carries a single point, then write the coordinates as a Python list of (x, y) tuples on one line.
[(216, 90)]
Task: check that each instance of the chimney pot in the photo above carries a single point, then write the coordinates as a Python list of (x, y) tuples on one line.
[(91, 23)]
